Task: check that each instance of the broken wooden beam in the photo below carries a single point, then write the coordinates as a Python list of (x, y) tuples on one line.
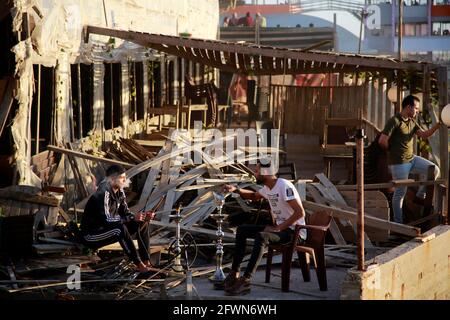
[(392, 184), (88, 156), (369, 221), (30, 198)]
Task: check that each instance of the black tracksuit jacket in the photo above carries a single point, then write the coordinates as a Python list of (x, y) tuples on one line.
[(105, 207)]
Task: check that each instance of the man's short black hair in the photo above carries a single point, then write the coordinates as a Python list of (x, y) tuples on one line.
[(409, 101), (115, 170)]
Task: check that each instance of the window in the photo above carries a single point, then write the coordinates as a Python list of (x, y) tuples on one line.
[(87, 97), (112, 95), (136, 90), (415, 2), (82, 87), (441, 28), (441, 2), (441, 56), (414, 29), (42, 112)]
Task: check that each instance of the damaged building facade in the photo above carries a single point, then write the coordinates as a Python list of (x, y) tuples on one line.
[(67, 91)]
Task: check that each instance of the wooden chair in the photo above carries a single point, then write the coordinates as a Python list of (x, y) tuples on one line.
[(317, 227), (334, 139), (163, 111), (203, 108)]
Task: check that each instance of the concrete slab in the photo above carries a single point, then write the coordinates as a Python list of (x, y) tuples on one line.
[(299, 290)]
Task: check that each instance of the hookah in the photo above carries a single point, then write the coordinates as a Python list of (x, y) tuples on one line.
[(177, 267), (219, 276), (177, 250)]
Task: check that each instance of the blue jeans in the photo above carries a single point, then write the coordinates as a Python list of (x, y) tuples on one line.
[(401, 171)]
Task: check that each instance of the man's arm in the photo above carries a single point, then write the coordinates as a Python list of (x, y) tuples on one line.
[(383, 141), (424, 134), (245, 194), (299, 212), (389, 128)]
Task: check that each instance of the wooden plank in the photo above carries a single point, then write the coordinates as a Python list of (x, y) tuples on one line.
[(165, 178), (334, 229), (155, 196), (301, 188), (191, 216), (331, 188), (174, 172), (368, 221), (148, 186), (370, 203), (335, 196), (88, 156), (386, 185), (20, 196), (369, 195), (166, 155)]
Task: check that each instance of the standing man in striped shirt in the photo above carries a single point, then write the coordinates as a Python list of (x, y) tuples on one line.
[(107, 219)]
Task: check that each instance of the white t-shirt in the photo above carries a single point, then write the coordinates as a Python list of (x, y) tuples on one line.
[(282, 192)]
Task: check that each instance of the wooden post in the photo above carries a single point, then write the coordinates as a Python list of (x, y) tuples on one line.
[(400, 30), (443, 138), (360, 196)]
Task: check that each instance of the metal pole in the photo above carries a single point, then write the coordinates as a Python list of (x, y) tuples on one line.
[(360, 31), (360, 196), (400, 28)]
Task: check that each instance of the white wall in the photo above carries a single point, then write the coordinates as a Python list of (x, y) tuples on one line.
[(63, 20)]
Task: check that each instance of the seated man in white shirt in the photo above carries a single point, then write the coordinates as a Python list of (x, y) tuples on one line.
[(287, 210)]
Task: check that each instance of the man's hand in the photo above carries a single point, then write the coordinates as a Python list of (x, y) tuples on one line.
[(229, 188), (149, 215), (271, 229), (140, 216)]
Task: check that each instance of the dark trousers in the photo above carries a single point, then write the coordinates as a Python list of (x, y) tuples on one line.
[(122, 233), (262, 240)]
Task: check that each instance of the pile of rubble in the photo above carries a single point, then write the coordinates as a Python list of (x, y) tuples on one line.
[(184, 175)]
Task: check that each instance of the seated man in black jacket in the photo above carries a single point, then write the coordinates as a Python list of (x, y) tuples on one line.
[(107, 219)]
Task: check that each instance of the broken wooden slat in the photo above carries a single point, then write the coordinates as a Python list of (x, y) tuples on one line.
[(368, 221), (334, 193), (88, 156), (334, 229), (386, 185), (20, 196)]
